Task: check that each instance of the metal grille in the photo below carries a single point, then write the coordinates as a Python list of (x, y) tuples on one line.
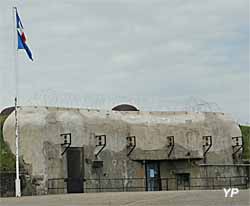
[(139, 184), (7, 183)]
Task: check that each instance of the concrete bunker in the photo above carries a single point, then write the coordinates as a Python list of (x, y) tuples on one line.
[(82, 150)]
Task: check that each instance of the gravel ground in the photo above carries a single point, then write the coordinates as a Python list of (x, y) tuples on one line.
[(175, 198)]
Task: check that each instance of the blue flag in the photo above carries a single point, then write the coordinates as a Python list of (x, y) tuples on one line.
[(21, 38)]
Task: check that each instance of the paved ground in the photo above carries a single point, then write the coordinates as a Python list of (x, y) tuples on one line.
[(175, 198)]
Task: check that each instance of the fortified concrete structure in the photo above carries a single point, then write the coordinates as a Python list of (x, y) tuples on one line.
[(83, 150)]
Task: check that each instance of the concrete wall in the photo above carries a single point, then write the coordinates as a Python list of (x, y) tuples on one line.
[(40, 141)]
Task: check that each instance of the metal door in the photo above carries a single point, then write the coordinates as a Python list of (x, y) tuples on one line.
[(153, 182), (75, 168), (183, 181)]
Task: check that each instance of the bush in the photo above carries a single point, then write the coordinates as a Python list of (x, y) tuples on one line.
[(245, 130), (7, 158)]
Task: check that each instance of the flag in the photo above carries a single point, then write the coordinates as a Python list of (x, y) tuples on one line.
[(21, 38)]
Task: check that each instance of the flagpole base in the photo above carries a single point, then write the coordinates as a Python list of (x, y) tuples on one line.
[(18, 187)]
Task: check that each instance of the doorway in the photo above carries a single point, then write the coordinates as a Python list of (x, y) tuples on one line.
[(183, 181), (75, 170), (153, 181)]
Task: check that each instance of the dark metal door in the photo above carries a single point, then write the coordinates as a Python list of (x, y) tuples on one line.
[(183, 181), (75, 167), (153, 182)]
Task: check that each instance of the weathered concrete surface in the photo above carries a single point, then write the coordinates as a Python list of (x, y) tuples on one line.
[(40, 141), (179, 198)]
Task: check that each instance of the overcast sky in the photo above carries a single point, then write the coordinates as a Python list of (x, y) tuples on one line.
[(158, 55)]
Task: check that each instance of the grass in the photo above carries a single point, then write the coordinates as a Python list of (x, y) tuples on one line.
[(7, 158), (245, 130)]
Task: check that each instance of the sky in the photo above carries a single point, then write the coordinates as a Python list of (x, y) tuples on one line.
[(156, 55)]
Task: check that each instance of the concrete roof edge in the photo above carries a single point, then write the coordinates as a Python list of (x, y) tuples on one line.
[(123, 112)]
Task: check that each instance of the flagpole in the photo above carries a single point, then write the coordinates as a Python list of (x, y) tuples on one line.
[(17, 181)]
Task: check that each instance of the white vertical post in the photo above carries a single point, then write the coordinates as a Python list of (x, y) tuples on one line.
[(17, 182), (15, 43)]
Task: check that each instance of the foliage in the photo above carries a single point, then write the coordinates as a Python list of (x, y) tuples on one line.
[(7, 159), (245, 130)]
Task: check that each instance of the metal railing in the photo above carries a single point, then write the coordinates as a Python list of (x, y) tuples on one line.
[(59, 185), (7, 182)]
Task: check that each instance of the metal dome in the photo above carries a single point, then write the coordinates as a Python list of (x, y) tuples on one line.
[(125, 107)]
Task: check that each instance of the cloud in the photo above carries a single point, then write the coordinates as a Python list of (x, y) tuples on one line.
[(165, 49)]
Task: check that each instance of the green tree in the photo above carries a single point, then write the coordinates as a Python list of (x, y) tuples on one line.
[(245, 130)]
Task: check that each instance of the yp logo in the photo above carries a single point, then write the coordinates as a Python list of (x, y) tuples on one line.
[(231, 192)]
